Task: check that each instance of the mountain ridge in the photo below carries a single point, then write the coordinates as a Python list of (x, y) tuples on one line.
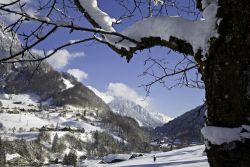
[(186, 127)]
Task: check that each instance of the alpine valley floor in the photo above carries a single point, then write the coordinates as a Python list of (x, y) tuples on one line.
[(193, 156)]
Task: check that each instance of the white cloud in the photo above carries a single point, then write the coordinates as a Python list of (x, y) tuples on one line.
[(61, 58), (124, 91), (37, 51), (79, 74)]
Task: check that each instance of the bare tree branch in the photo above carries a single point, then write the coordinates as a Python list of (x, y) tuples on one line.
[(39, 59), (51, 16), (29, 47)]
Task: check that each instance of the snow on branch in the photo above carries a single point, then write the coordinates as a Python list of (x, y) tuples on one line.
[(221, 135), (102, 20), (164, 28)]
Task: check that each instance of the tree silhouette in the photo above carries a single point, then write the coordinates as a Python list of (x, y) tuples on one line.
[(55, 143), (2, 154), (70, 159)]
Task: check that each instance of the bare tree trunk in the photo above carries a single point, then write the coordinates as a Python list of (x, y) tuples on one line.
[(227, 78)]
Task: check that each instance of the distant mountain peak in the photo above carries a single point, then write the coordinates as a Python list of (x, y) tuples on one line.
[(130, 108), (143, 116)]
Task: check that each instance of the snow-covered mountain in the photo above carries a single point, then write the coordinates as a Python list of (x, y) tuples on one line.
[(130, 108), (141, 115), (40, 79)]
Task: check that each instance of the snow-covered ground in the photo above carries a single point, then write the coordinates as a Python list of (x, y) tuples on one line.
[(26, 121), (67, 83), (11, 156), (18, 126), (187, 157), (80, 124), (22, 120), (24, 101)]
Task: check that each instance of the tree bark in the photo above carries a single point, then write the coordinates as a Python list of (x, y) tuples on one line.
[(227, 78)]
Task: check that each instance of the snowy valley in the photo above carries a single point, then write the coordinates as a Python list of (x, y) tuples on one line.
[(36, 133), (54, 132)]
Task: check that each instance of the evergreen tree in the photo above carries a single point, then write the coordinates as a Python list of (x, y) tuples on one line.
[(96, 137), (55, 143), (72, 158), (65, 159), (2, 154)]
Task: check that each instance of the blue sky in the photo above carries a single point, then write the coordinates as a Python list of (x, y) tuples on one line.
[(104, 66), (98, 66)]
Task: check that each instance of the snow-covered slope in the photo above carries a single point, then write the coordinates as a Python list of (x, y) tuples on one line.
[(186, 157), (141, 115), (25, 121), (21, 101)]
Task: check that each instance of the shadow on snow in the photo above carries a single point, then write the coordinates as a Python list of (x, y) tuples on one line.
[(166, 164)]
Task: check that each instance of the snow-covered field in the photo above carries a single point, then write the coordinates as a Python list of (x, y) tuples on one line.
[(24, 101), (28, 120), (187, 157), (22, 120), (19, 125)]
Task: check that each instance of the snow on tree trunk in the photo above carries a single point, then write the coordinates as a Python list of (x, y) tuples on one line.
[(226, 77)]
